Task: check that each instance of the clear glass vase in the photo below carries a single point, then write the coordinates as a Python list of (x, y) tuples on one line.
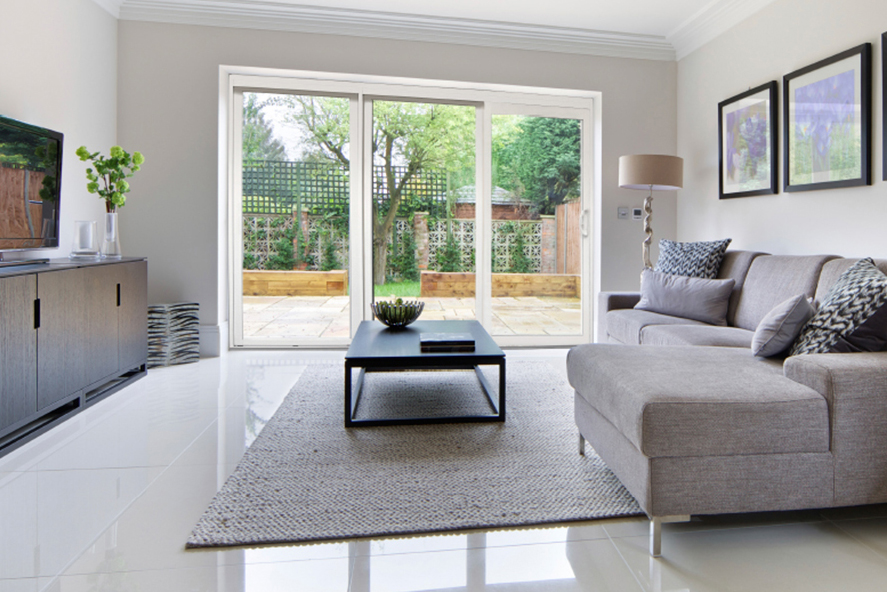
[(111, 244)]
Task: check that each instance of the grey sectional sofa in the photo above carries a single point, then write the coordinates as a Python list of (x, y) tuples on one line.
[(701, 426)]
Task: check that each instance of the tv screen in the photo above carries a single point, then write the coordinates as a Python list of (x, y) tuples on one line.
[(30, 186)]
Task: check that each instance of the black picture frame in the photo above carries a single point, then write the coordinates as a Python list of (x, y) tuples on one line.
[(743, 155), (824, 135)]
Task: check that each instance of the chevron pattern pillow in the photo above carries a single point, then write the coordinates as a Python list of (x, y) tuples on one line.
[(853, 316), (700, 259)]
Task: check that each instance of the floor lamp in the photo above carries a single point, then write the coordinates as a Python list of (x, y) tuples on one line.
[(655, 172)]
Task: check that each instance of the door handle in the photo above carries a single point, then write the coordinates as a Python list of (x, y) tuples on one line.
[(583, 223)]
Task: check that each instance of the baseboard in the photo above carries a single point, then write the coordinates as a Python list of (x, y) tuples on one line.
[(213, 340)]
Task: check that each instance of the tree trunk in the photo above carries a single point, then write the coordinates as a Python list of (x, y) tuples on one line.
[(382, 229)]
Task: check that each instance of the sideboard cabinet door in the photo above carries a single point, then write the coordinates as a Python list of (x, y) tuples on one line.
[(133, 328), (102, 317), (61, 351), (18, 349)]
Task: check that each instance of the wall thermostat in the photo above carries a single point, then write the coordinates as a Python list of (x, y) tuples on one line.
[(637, 213)]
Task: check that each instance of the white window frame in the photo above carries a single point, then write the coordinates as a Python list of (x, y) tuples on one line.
[(360, 89)]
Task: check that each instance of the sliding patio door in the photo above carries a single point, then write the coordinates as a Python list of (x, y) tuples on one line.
[(343, 192), (422, 219), (537, 230), (292, 218)]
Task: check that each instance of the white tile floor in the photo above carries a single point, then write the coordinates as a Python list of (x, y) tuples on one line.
[(106, 501)]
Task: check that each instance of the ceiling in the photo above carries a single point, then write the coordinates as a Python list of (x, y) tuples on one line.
[(647, 29)]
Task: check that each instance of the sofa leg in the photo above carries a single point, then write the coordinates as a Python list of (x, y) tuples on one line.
[(581, 445), (656, 531)]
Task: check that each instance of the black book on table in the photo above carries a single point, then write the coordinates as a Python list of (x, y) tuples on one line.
[(449, 340)]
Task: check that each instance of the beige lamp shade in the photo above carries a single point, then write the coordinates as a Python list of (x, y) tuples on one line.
[(657, 172)]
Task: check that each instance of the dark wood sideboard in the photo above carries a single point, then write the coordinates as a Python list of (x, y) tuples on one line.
[(71, 333)]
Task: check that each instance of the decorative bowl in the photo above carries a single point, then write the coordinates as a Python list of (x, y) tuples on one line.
[(397, 313)]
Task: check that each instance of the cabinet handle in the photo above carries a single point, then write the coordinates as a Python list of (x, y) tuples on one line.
[(36, 313), (118, 294)]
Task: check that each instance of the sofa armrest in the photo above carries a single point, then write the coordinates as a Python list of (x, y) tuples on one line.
[(855, 388), (608, 301), (839, 377)]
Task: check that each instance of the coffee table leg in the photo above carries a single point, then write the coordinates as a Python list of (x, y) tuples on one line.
[(488, 390), (347, 395), (352, 401), (502, 391)]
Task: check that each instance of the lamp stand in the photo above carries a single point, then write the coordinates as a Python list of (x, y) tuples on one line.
[(648, 215)]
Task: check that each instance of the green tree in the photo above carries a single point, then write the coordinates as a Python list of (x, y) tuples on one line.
[(540, 160), (449, 260), (520, 262), (416, 136), (329, 259), (259, 142), (403, 264)]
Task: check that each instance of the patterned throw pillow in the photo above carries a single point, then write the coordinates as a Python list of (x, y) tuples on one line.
[(701, 259), (853, 316)]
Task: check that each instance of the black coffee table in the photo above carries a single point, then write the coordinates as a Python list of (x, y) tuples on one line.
[(376, 348)]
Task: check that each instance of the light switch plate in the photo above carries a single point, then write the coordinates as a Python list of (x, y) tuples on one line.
[(622, 213)]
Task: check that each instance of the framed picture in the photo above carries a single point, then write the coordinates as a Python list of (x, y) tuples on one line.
[(747, 152), (827, 133)]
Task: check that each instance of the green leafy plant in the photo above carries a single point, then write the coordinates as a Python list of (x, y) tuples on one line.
[(403, 263), (108, 178), (284, 258), (329, 259), (250, 261), (520, 263), (449, 259)]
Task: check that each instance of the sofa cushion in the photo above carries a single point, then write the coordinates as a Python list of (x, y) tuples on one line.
[(773, 279), (779, 329), (624, 325), (696, 335), (832, 270), (735, 266), (848, 319), (699, 259), (699, 401), (687, 297)]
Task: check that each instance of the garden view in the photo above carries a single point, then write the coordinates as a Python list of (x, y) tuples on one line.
[(296, 202)]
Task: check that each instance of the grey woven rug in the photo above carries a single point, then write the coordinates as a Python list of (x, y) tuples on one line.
[(307, 478)]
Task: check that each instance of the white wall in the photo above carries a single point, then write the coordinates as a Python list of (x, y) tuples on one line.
[(59, 70), (785, 36), (168, 109)]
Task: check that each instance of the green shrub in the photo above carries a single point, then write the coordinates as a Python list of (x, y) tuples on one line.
[(520, 263), (329, 259), (402, 264), (449, 259), (284, 258)]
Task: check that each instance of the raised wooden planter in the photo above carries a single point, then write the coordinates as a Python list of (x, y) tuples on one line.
[(295, 283), (435, 284)]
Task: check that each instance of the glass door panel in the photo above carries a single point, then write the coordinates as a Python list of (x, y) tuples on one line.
[(295, 209), (536, 227), (424, 206)]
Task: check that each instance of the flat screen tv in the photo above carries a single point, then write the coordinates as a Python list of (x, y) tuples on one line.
[(30, 186)]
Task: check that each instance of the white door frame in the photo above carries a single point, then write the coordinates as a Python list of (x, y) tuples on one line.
[(527, 100), (586, 192)]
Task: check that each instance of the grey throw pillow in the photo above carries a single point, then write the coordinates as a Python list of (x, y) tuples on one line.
[(852, 317), (779, 328), (700, 259), (686, 297)]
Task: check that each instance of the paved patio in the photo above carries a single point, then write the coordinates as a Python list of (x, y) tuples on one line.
[(295, 317)]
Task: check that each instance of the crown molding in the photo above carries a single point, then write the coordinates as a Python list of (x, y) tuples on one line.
[(711, 21), (112, 6), (280, 16)]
